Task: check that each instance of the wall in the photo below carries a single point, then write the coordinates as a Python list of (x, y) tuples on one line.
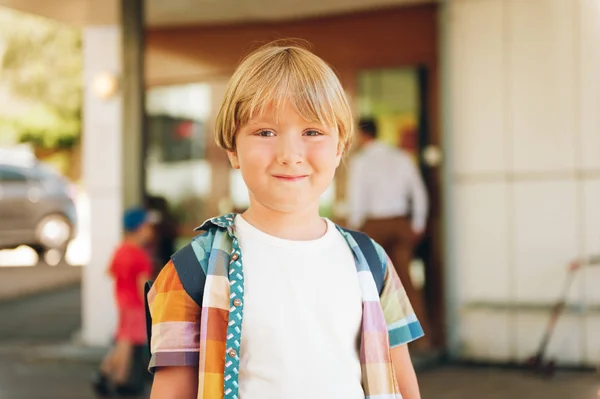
[(401, 36), (525, 176), (390, 37)]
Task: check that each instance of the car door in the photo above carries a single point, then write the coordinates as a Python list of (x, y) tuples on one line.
[(15, 206)]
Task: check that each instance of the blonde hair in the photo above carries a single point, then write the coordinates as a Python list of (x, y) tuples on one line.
[(274, 74)]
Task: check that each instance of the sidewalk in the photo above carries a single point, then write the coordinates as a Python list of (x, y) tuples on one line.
[(33, 378), (477, 383), (18, 282), (40, 359), (71, 366)]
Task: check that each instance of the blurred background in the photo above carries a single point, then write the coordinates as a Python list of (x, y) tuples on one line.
[(106, 104)]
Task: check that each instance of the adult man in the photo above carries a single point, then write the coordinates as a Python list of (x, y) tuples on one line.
[(388, 201)]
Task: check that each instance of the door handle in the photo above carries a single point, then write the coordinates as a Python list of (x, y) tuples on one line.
[(33, 195), (432, 155)]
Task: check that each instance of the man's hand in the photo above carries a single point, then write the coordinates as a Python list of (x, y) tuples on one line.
[(418, 236)]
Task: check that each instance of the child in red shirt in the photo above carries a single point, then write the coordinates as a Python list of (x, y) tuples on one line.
[(130, 268)]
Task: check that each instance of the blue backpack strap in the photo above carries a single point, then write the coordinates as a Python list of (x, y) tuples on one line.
[(190, 273), (370, 253), (147, 288), (192, 277)]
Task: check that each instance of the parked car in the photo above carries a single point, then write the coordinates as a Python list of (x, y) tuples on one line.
[(37, 209)]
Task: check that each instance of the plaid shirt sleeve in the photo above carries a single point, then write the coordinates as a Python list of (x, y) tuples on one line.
[(175, 322), (403, 326)]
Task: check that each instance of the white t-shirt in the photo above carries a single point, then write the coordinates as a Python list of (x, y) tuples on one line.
[(302, 317)]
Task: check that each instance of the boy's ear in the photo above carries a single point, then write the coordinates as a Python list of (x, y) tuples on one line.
[(233, 159), (339, 156)]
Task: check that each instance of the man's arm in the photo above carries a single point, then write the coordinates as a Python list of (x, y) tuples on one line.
[(175, 383), (419, 199), (405, 372)]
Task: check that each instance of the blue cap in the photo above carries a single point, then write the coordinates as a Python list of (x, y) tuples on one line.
[(134, 218)]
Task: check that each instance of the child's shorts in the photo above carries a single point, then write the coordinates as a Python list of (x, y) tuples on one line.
[(132, 325)]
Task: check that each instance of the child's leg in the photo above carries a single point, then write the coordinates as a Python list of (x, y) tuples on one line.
[(121, 362), (115, 365)]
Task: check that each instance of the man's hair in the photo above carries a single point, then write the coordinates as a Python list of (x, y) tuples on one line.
[(276, 73), (368, 126)]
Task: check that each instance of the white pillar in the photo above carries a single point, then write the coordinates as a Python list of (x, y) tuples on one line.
[(103, 178), (112, 147)]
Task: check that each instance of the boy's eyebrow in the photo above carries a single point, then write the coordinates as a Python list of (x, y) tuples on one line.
[(257, 123), (261, 118)]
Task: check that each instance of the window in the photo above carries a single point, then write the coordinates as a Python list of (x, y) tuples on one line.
[(11, 175), (177, 118), (176, 167), (392, 97)]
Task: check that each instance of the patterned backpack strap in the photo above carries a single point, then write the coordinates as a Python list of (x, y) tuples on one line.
[(192, 277), (370, 253)]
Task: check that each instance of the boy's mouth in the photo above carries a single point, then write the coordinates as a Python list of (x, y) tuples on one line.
[(290, 178)]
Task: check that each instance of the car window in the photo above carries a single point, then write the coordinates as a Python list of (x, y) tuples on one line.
[(9, 175), (45, 172)]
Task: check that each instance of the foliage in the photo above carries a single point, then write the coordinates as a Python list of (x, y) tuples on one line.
[(42, 64)]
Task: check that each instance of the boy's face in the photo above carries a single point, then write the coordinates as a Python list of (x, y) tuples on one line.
[(145, 233), (286, 162)]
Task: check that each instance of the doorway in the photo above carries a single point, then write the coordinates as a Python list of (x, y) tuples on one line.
[(399, 100)]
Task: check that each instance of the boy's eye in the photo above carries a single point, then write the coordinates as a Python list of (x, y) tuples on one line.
[(265, 133), (313, 133)]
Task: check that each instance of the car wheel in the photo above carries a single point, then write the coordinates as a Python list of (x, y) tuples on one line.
[(53, 256), (53, 234), (54, 231), (49, 256)]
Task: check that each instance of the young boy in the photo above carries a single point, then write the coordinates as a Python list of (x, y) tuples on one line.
[(130, 268), (290, 307)]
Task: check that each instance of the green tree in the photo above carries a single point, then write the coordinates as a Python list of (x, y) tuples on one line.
[(42, 64)]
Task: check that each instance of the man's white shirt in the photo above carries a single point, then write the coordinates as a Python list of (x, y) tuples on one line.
[(384, 182)]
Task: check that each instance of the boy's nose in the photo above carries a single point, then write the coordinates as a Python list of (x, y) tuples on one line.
[(290, 151)]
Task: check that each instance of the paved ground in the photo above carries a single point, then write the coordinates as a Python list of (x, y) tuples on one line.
[(23, 379), (45, 317), (35, 363), (17, 282), (468, 383)]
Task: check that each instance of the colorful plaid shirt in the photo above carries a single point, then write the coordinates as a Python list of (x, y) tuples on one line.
[(209, 338)]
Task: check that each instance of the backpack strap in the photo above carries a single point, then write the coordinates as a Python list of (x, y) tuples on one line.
[(190, 273), (370, 253), (147, 288)]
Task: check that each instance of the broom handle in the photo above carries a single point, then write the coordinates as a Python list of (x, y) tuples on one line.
[(593, 260)]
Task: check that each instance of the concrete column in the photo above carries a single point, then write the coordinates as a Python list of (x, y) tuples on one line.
[(102, 175), (133, 93), (112, 153)]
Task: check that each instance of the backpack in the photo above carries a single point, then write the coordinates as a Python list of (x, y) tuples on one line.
[(192, 275)]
